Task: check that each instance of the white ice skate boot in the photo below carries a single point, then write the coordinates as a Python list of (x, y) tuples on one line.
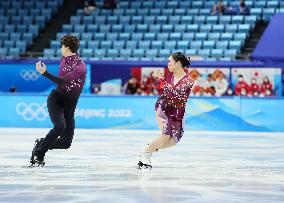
[(145, 159)]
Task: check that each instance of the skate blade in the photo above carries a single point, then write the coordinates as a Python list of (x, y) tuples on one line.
[(35, 164), (142, 166)]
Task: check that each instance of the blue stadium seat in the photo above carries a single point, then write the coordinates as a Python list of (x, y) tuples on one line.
[(104, 28), (126, 53), (213, 20), (162, 20), (92, 28), (237, 19), (167, 12), (190, 52), (67, 28), (124, 36), (180, 28), (137, 36), (9, 44), (205, 53), (131, 45), (172, 4), (151, 52), (222, 44), (14, 52), (99, 53), (92, 44), (163, 36), (186, 20), (118, 44), (75, 20), (175, 36), (54, 44), (157, 44), (155, 12), (149, 36), (201, 36), (142, 12), (9, 28), (149, 20), (87, 53), (235, 45), (216, 53), (112, 36), (174, 20), (180, 12), (230, 53), (79, 28), (136, 20), (225, 20), (117, 28), (210, 44), (49, 53), (218, 28), (124, 20), (226, 36), (206, 28), (143, 28), (244, 28), (87, 36), (99, 36), (155, 28), (3, 53), (231, 28), (106, 44), (170, 45), (138, 53), (129, 28), (192, 28), (199, 20), (88, 20), (183, 44), (188, 36), (16, 20), (15, 36), (144, 44), (165, 53), (195, 44)]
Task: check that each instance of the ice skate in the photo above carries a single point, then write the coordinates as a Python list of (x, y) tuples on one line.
[(145, 159), (38, 161), (36, 145)]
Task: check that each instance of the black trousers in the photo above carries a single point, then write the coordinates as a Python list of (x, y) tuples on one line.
[(61, 110)]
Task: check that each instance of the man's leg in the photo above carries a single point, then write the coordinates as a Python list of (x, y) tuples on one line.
[(65, 140), (56, 113)]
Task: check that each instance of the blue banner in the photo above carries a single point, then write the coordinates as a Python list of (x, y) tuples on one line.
[(131, 112), (26, 79)]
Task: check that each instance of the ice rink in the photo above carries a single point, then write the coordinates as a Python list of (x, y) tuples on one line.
[(100, 166)]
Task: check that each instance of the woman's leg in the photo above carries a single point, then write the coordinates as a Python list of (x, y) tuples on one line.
[(162, 142)]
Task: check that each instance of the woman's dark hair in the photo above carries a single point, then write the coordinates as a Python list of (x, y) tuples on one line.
[(72, 42), (180, 57)]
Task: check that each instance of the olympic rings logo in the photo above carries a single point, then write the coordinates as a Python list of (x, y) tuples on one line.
[(32, 111), (29, 74)]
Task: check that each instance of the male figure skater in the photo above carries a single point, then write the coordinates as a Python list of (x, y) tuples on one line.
[(62, 101)]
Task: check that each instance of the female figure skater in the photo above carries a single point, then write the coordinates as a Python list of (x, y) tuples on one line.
[(61, 101), (170, 107)]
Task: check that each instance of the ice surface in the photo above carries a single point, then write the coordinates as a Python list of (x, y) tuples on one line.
[(100, 166)]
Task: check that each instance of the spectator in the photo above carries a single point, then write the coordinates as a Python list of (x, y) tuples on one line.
[(242, 10), (89, 6), (110, 4), (266, 87), (254, 88), (13, 89), (221, 84), (209, 86), (241, 88), (218, 9), (132, 86)]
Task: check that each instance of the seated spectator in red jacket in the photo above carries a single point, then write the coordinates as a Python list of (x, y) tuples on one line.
[(241, 88), (266, 87), (254, 88)]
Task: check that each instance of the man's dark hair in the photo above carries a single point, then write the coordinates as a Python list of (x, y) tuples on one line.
[(72, 42)]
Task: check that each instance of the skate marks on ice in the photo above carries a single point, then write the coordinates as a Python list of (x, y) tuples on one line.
[(101, 167)]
